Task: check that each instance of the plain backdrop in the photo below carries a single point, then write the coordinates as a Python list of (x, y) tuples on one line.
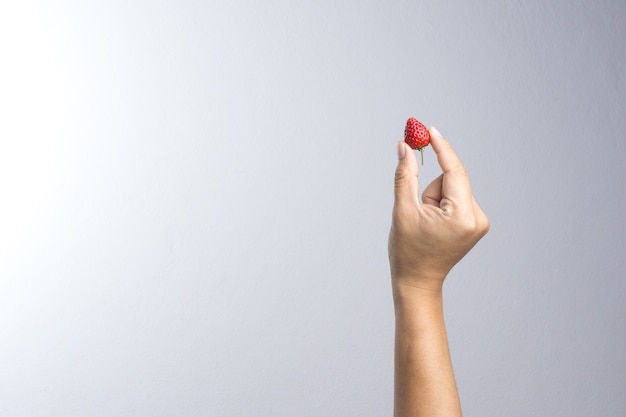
[(195, 198)]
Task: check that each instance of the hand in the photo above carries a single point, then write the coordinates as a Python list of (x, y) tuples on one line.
[(427, 239)]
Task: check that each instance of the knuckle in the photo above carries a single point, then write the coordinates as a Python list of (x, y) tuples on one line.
[(457, 168), (473, 227), (467, 228), (402, 176), (486, 225), (400, 173), (461, 170), (399, 177)]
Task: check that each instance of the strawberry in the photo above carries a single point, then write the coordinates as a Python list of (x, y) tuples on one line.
[(416, 135)]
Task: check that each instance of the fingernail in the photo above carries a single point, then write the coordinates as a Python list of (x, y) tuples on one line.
[(401, 150), (435, 131)]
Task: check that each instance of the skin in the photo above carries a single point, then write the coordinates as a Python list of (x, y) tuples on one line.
[(427, 239)]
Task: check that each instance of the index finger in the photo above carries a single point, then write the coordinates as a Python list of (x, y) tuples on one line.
[(448, 159), (455, 188)]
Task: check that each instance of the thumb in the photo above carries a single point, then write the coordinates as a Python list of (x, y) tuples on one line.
[(406, 179)]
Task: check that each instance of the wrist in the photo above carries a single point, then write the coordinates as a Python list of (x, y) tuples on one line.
[(417, 281), (416, 295)]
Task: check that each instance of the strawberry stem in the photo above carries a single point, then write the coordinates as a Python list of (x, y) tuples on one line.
[(422, 154)]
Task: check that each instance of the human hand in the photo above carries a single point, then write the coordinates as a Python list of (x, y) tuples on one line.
[(428, 238)]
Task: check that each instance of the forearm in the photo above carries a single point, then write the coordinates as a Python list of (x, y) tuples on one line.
[(424, 379)]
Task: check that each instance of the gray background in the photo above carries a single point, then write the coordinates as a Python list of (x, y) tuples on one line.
[(195, 200)]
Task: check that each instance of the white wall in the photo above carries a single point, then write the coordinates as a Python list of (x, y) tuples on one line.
[(195, 199)]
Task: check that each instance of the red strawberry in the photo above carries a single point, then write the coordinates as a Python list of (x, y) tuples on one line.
[(416, 135)]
